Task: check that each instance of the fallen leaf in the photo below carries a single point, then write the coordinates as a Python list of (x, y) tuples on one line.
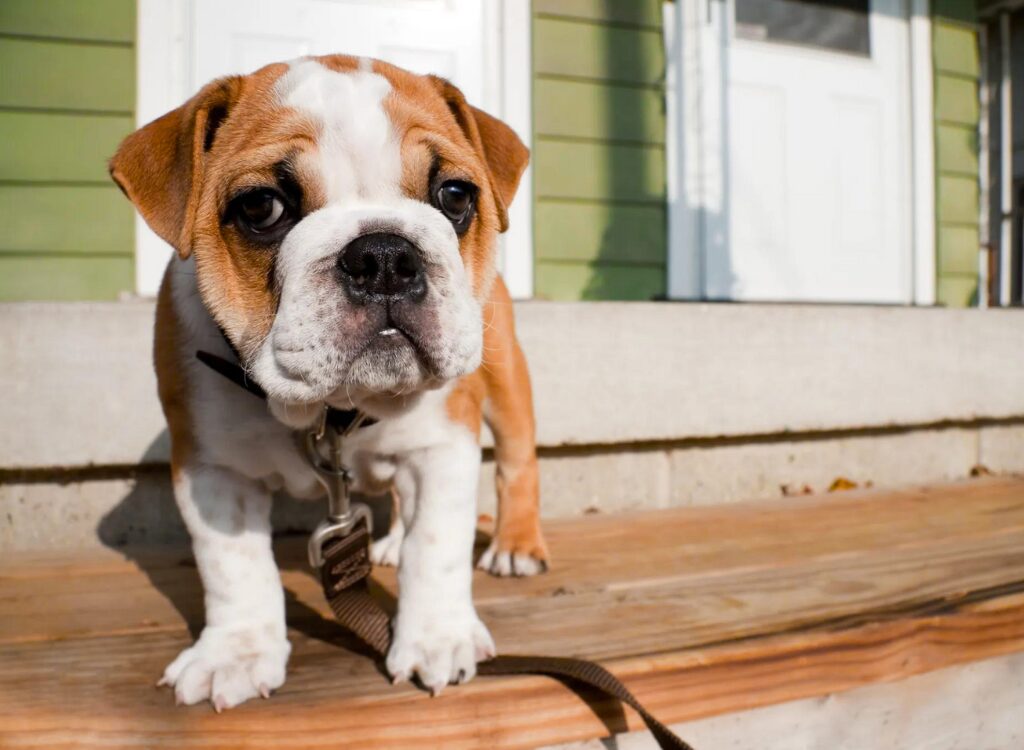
[(792, 490), (841, 484)]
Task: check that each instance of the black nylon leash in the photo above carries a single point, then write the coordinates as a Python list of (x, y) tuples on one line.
[(344, 567)]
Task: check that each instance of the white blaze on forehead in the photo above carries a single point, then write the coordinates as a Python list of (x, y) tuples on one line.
[(360, 157)]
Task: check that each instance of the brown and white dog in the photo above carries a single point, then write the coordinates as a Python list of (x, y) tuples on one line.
[(335, 219)]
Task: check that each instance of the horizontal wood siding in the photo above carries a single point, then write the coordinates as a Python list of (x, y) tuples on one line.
[(957, 66), (599, 149), (67, 98)]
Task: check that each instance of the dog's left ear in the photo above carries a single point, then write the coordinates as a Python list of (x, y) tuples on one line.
[(505, 155)]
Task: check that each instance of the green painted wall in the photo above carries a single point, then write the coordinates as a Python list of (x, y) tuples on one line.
[(599, 149), (957, 66), (67, 98)]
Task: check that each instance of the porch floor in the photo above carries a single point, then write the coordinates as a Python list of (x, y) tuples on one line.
[(700, 611)]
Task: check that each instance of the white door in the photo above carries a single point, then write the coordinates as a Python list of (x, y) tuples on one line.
[(445, 37), (811, 163), (480, 45)]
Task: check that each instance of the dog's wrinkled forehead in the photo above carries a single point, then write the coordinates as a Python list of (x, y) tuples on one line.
[(359, 154)]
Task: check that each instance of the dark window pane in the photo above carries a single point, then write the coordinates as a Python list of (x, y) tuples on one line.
[(836, 25)]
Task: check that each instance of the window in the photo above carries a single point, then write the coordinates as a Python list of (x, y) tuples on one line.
[(833, 25)]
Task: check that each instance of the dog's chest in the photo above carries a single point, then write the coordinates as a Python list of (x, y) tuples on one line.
[(249, 440)]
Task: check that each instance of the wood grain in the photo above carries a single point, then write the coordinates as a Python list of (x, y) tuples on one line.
[(700, 611)]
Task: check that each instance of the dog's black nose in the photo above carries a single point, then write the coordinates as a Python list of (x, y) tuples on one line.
[(382, 267)]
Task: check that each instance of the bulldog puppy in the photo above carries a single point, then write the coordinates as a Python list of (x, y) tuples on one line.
[(335, 222)]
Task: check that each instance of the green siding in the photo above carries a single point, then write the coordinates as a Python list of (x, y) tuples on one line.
[(956, 65), (958, 290), (600, 281), (62, 277), (586, 109), (956, 99), (600, 231), (66, 76), (67, 98), (958, 250), (600, 171), (956, 49), (48, 147), (599, 149), (957, 149), (65, 219), (605, 12), (89, 20)]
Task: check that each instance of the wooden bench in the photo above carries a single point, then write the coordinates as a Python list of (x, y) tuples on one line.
[(700, 611)]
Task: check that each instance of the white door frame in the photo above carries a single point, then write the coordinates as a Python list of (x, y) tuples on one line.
[(164, 80), (694, 35)]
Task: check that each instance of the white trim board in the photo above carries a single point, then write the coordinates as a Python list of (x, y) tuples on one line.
[(516, 87), (165, 79), (922, 116)]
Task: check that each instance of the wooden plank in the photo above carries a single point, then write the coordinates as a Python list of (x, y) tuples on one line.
[(956, 100), (335, 701), (47, 218), (55, 147), (604, 281), (609, 232), (65, 277), (635, 12), (846, 546), (955, 48), (584, 50), (957, 200), (94, 20), (958, 250), (784, 565), (64, 75), (594, 554), (598, 171), (580, 109), (956, 150)]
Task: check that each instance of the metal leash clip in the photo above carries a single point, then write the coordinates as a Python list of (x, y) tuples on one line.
[(342, 514)]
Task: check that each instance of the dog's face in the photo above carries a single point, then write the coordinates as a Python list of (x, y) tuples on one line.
[(342, 214)]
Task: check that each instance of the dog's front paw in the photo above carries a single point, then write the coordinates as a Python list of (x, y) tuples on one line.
[(516, 550), (439, 648), (228, 666)]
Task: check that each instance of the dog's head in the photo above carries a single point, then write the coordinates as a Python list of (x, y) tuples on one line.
[(342, 214)]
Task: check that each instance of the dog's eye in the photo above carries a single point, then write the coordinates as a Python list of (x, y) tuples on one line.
[(262, 212), (456, 199)]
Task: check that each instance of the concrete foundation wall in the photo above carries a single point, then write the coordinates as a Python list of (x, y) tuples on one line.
[(639, 406), (139, 508)]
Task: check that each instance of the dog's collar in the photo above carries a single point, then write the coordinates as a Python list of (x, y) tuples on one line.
[(340, 419)]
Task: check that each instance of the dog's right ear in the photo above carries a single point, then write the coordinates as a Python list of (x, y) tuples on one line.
[(160, 166)]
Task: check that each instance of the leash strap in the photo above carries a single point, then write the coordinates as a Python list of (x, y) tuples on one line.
[(344, 575)]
